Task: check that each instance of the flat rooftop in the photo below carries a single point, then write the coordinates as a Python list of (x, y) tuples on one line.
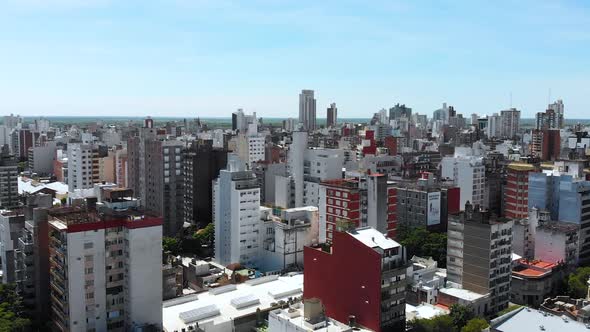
[(463, 294), (224, 304), (372, 238), (526, 319)]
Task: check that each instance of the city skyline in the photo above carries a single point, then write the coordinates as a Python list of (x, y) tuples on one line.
[(205, 58)]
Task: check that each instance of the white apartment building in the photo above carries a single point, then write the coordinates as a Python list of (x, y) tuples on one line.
[(468, 173), (83, 166), (105, 269), (285, 233), (236, 214), (494, 128), (307, 168)]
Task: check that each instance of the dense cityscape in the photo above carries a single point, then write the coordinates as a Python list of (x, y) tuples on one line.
[(403, 222)]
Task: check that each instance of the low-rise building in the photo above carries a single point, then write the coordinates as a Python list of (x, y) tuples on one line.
[(308, 316), (233, 307), (527, 319), (533, 281), (424, 280)]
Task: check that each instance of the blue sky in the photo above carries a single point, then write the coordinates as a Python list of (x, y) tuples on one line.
[(209, 57)]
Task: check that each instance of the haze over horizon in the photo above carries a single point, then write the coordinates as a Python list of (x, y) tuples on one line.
[(209, 57)]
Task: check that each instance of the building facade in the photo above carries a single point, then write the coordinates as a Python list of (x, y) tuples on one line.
[(374, 294)]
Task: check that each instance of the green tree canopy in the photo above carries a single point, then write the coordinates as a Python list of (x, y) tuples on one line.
[(11, 310), (475, 325), (460, 315), (171, 244), (443, 323), (420, 242), (577, 282)]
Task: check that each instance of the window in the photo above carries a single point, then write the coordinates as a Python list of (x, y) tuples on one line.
[(89, 295), (89, 270), (89, 258), (88, 245)]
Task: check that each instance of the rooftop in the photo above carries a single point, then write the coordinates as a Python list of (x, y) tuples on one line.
[(463, 294), (424, 310), (341, 183), (526, 319), (519, 166), (532, 269), (295, 316), (372, 238), (224, 304)]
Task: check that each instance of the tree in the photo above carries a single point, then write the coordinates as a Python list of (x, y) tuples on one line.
[(420, 242), (577, 282), (172, 245), (205, 235), (442, 323), (11, 310), (460, 315), (475, 325)]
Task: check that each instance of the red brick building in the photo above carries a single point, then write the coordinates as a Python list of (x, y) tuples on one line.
[(516, 191)]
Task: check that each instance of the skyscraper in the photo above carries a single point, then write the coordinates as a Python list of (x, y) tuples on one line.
[(307, 110), (236, 214), (332, 117), (558, 108), (155, 175), (202, 164), (510, 122)]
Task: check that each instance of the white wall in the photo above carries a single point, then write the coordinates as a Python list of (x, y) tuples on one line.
[(77, 279), (144, 276)]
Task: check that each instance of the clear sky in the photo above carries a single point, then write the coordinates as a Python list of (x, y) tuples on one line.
[(209, 57)]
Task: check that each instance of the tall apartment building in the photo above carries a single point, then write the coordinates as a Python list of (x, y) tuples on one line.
[(479, 249), (83, 166), (105, 267), (516, 190), (557, 107), (494, 127), (121, 168), (12, 121), (31, 258), (546, 120), (374, 293), (467, 173), (156, 176), (307, 167), (11, 226), (307, 114), (241, 121), (202, 164), (251, 145), (400, 111), (425, 203), (332, 116), (367, 200), (546, 144), (510, 122), (8, 180), (567, 199), (236, 214)]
